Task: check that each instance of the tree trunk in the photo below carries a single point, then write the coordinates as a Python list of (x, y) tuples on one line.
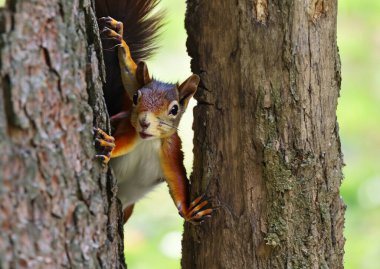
[(266, 142), (57, 203)]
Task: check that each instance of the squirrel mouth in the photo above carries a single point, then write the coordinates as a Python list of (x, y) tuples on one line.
[(145, 135)]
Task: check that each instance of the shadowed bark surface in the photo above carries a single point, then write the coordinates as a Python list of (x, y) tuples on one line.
[(57, 203), (266, 141)]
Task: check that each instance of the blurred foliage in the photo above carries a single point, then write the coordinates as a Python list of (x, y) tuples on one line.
[(359, 121)]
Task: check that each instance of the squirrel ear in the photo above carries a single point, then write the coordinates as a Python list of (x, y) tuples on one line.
[(142, 74), (187, 89)]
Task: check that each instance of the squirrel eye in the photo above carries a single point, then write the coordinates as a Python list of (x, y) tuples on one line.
[(135, 98), (174, 110)]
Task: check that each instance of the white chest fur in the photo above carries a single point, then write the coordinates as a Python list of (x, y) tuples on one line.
[(138, 171)]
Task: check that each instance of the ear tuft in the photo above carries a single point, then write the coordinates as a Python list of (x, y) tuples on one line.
[(187, 89), (142, 74)]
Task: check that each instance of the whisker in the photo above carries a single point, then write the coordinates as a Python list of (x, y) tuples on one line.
[(167, 124), (171, 126)]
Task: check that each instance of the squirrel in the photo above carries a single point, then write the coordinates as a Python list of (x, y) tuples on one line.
[(144, 148)]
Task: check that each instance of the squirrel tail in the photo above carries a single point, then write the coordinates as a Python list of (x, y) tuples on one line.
[(141, 23), (141, 28)]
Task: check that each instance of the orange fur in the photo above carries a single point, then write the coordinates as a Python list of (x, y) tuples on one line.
[(128, 212), (128, 69), (174, 171), (125, 138)]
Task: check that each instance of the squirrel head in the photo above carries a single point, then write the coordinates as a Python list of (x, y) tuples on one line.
[(157, 106)]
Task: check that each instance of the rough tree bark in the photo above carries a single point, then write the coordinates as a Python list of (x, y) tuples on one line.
[(266, 137), (57, 204)]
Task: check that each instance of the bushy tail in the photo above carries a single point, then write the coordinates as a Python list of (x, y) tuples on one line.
[(141, 23), (141, 28)]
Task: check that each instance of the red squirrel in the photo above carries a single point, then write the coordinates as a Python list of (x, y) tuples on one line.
[(144, 148)]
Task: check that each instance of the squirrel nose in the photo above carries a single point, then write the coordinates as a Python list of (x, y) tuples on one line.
[(144, 124)]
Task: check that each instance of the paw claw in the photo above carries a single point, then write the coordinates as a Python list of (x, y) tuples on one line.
[(113, 24), (111, 34), (104, 159), (106, 144), (194, 211), (103, 135), (105, 19), (196, 201), (197, 212)]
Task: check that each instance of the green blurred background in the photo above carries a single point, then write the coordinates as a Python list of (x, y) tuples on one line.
[(153, 234), (359, 121)]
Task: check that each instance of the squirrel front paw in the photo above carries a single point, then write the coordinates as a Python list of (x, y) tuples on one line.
[(113, 29), (197, 211), (105, 144)]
